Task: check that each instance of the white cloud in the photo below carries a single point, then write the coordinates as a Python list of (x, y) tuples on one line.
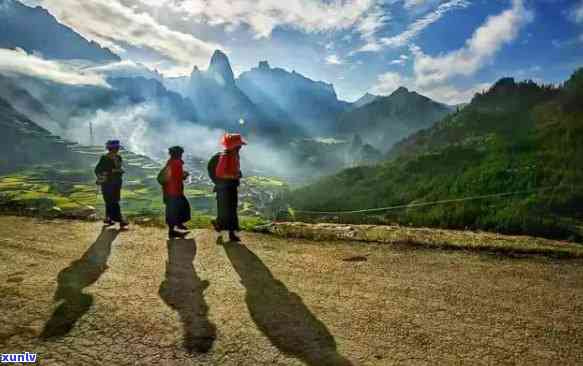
[(115, 25), (452, 95), (432, 75), (448, 94), (486, 41), (125, 68), (420, 24), (400, 61), (577, 13), (18, 62), (334, 60), (413, 3), (370, 46), (389, 82), (371, 22), (568, 42), (263, 16), (528, 71)]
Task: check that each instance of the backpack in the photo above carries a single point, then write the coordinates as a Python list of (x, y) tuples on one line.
[(212, 167), (162, 176)]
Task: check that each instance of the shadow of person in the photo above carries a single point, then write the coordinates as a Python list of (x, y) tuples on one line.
[(71, 283), (281, 315), (183, 291)]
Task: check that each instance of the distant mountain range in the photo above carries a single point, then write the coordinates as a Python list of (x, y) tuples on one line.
[(35, 30), (218, 99), (266, 101), (265, 97), (382, 121), (313, 105), (364, 100)]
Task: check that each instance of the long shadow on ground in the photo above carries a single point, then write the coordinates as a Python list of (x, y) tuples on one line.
[(183, 291), (71, 283), (282, 315)]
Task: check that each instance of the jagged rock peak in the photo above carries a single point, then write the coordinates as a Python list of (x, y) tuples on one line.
[(219, 57), (264, 65), (220, 68)]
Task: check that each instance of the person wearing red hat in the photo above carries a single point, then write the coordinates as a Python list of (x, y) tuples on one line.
[(225, 172)]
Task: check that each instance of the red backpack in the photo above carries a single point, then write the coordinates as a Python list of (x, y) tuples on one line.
[(228, 166)]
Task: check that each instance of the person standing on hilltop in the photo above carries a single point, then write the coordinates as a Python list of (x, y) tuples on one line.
[(109, 174), (225, 172), (177, 206)]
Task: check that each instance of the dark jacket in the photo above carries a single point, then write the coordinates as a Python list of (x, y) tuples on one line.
[(111, 167)]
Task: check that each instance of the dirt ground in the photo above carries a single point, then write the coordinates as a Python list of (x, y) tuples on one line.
[(79, 296)]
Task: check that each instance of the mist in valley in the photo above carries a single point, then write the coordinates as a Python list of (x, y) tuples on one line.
[(91, 103)]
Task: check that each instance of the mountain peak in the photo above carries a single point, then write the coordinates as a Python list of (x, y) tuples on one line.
[(364, 100), (66, 43), (264, 65), (219, 56), (401, 90), (220, 68)]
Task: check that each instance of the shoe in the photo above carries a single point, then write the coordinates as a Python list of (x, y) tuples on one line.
[(234, 238), (182, 227), (108, 222), (216, 226), (176, 235), (124, 225)]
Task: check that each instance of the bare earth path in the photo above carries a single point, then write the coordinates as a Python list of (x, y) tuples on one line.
[(80, 297)]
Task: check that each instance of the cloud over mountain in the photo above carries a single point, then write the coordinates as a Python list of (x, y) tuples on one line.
[(115, 25), (486, 41), (18, 62)]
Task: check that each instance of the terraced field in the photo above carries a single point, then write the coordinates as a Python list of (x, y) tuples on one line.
[(63, 189)]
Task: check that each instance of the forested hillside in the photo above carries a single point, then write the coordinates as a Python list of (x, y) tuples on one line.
[(516, 137)]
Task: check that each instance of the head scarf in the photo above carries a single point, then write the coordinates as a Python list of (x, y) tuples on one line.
[(112, 145)]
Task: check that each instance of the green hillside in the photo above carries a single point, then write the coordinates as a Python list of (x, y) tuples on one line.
[(516, 137)]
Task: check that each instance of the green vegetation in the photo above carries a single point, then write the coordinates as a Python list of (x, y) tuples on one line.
[(516, 137), (55, 190)]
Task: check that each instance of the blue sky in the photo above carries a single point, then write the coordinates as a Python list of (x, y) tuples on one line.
[(446, 49)]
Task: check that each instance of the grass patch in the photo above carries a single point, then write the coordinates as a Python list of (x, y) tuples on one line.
[(267, 182), (431, 238), (58, 191)]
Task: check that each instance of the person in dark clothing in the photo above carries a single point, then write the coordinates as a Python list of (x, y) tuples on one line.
[(109, 174), (177, 206), (225, 172)]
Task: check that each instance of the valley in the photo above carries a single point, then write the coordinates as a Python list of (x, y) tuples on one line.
[(308, 151), (409, 182)]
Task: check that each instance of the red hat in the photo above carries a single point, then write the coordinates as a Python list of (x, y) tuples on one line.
[(232, 141)]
